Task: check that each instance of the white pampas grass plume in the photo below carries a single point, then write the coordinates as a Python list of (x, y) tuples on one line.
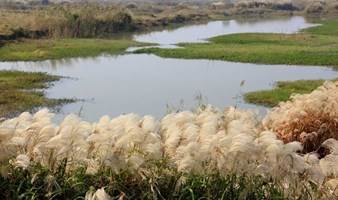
[(100, 194), (22, 161), (332, 145), (309, 118), (329, 165)]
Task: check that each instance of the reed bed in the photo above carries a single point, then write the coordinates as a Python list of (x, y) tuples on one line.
[(90, 20), (209, 153)]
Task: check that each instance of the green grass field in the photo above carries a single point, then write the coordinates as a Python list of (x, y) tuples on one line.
[(35, 50), (314, 46), (18, 92)]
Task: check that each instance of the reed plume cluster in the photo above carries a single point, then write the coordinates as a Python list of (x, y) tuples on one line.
[(310, 118), (204, 141)]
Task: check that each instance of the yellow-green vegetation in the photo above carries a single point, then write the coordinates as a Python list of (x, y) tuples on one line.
[(282, 92), (18, 92), (329, 27), (34, 50), (315, 46)]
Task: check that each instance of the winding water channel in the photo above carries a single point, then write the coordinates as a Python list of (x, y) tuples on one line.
[(147, 84)]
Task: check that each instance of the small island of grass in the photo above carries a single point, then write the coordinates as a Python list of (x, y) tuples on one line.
[(21, 91), (282, 92), (43, 49)]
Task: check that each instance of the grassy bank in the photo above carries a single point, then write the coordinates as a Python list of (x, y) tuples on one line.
[(34, 50), (315, 46), (282, 92), (18, 92)]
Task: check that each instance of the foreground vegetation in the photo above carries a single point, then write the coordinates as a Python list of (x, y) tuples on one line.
[(43, 49), (40, 183), (205, 153), (18, 92), (282, 92), (315, 46)]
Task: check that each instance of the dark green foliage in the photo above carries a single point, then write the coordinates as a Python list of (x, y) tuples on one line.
[(158, 182), (40, 183)]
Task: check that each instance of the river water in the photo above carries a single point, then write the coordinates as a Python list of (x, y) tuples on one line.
[(147, 84)]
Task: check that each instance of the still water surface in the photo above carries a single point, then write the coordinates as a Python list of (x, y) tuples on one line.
[(147, 84)]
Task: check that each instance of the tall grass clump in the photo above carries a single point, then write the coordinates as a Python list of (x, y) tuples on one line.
[(89, 21), (64, 21), (206, 153)]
